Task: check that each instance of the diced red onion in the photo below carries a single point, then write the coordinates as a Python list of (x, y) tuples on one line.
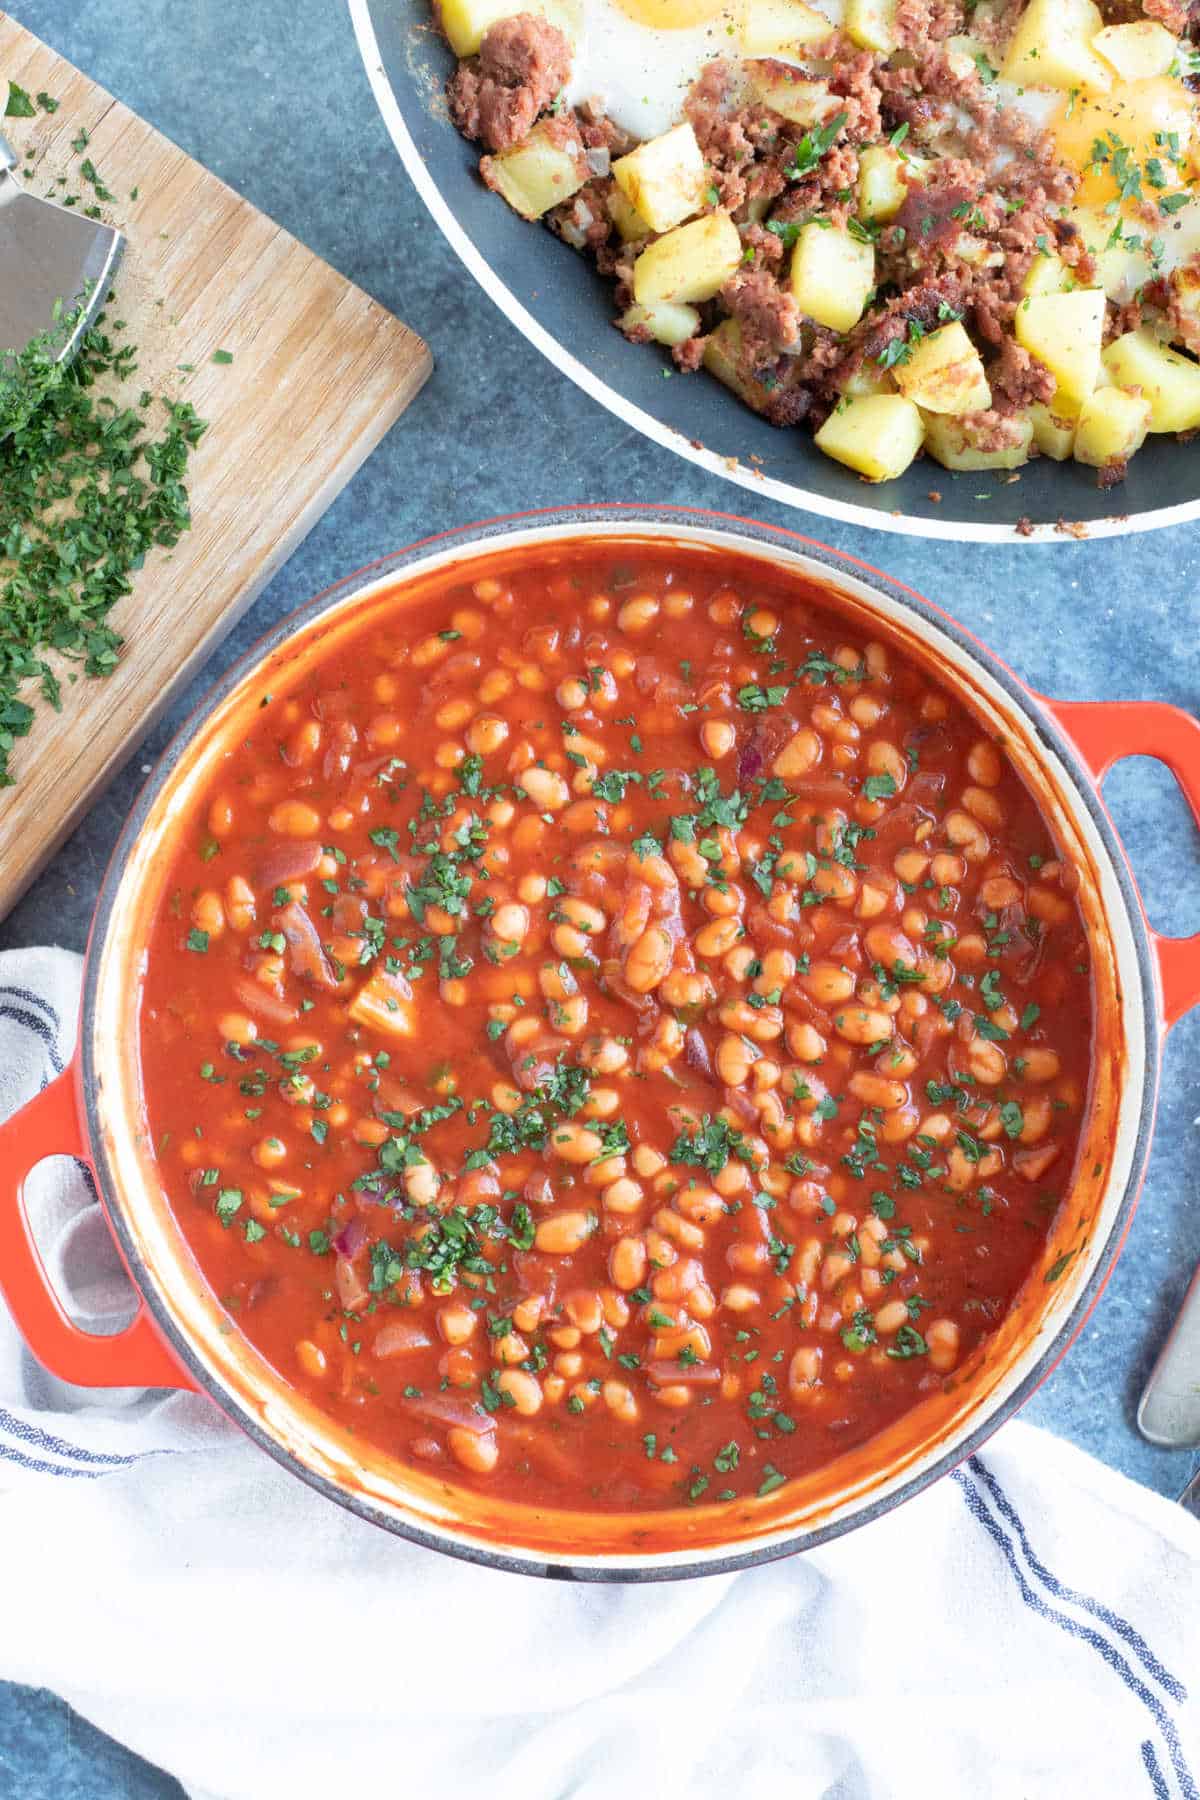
[(447, 1409), (287, 862), (665, 1373), (351, 1238), (258, 999), (400, 1337), (599, 160), (352, 1290)]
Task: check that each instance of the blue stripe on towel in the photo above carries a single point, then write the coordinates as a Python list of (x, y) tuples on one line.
[(39, 1027), (36, 1438), (1084, 1633), (29, 998), (45, 1468), (1098, 1610), (1157, 1779)]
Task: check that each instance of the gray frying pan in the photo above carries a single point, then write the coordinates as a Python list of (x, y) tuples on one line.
[(560, 303)]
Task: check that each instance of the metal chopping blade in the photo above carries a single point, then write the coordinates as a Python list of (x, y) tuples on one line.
[(52, 262)]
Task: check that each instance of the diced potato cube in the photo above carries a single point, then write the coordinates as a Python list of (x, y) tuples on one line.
[(384, 1003), (882, 189), (1048, 274), (666, 323), (1065, 331), (1169, 381), (1185, 294), (1121, 268), (1052, 48), (872, 24), (664, 178), (788, 93), (832, 274), (465, 21), (780, 27), (1054, 436), (1112, 426), (868, 378), (944, 373), (722, 359), (879, 435), (1137, 51), (957, 443), (545, 168), (690, 263), (628, 220)]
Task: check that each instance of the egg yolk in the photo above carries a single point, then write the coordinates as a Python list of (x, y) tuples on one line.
[(1130, 145), (672, 15)]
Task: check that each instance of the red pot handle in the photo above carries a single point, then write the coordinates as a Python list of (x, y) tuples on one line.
[(135, 1357), (1104, 731)]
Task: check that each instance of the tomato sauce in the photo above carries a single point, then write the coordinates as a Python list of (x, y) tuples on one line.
[(615, 1035)]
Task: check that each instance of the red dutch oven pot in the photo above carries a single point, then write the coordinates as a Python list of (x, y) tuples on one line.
[(179, 1337)]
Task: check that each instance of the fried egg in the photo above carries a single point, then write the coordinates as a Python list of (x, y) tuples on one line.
[(640, 57), (1135, 151)]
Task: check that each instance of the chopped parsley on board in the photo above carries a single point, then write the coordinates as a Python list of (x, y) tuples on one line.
[(89, 486)]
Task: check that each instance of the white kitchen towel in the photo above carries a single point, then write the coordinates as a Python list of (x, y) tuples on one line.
[(1027, 1628)]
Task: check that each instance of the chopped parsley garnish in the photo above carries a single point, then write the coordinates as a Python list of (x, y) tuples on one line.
[(710, 1145), (813, 146)]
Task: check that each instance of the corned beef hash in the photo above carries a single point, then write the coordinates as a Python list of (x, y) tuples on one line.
[(968, 229)]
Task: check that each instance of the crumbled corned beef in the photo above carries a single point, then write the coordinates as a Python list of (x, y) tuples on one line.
[(523, 63), (689, 355), (945, 203), (920, 22), (828, 189), (991, 431), (854, 82), (1124, 317), (634, 330), (1182, 319), (584, 220), (765, 248), (1176, 15), (789, 399), (929, 305), (767, 315), (1017, 378), (994, 25), (620, 267), (717, 118), (599, 132)]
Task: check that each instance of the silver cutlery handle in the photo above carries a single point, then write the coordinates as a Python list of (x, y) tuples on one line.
[(1169, 1413), (1190, 1497)]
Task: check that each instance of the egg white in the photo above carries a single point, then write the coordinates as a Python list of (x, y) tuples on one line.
[(641, 73)]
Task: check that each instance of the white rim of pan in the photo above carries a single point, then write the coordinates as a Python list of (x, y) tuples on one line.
[(785, 493)]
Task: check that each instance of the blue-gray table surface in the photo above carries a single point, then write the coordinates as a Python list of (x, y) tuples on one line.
[(273, 98)]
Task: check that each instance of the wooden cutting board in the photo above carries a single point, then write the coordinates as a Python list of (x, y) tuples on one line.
[(319, 373)]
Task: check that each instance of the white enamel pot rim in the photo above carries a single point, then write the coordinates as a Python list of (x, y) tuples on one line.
[(169, 1287)]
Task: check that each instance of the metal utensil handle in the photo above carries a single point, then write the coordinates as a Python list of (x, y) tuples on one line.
[(1169, 1413), (1190, 1497)]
